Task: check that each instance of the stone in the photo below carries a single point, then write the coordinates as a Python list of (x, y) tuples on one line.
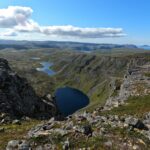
[(51, 120), (6, 120), (60, 131), (49, 96), (87, 130), (140, 125), (12, 145), (69, 125), (135, 123), (18, 145), (48, 147), (25, 118), (141, 142), (24, 145), (135, 147), (17, 122), (39, 148), (81, 118), (108, 144), (2, 130), (48, 127), (66, 145)]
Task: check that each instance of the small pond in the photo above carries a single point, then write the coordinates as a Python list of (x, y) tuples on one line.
[(35, 58), (46, 68), (69, 100)]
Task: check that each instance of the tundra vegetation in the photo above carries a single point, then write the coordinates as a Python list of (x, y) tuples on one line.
[(100, 75)]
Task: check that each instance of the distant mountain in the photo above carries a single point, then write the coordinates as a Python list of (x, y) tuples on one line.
[(18, 45), (147, 47)]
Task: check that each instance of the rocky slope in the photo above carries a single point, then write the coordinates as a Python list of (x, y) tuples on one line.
[(88, 131), (135, 83), (17, 98), (97, 129), (101, 72), (115, 78)]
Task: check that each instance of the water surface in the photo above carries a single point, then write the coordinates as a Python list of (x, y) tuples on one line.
[(35, 58), (69, 100), (46, 68)]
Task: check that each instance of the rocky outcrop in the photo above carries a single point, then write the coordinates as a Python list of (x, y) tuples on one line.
[(135, 83), (17, 97)]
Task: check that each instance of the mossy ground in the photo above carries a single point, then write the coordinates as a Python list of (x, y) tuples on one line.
[(147, 74), (136, 106), (15, 132)]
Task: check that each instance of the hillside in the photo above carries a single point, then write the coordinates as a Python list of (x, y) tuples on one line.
[(117, 85), (75, 69)]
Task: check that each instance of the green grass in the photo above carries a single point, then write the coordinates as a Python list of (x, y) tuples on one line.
[(147, 74), (137, 106), (15, 132)]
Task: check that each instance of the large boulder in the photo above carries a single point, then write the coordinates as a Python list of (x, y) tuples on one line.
[(135, 123), (17, 97)]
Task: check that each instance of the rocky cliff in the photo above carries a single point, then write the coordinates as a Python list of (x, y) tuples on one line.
[(17, 97)]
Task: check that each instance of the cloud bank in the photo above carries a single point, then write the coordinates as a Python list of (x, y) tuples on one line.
[(17, 20)]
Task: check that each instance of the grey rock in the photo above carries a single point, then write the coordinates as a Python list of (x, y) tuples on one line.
[(39, 148), (48, 127), (135, 123), (17, 122), (48, 147), (108, 144), (66, 145), (69, 125), (12, 145), (18, 145), (87, 130), (24, 145), (2, 130), (17, 97), (60, 131)]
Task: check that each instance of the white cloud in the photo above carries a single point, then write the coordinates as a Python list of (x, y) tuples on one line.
[(18, 20), (8, 33), (15, 16), (82, 32)]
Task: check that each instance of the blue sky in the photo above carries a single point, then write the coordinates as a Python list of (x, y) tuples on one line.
[(132, 16)]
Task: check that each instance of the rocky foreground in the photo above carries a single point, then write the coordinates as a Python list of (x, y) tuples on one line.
[(88, 131)]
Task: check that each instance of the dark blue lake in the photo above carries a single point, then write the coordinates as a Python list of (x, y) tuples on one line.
[(46, 68), (69, 100)]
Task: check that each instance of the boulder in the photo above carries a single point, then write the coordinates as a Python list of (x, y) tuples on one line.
[(17, 122), (87, 130), (135, 123), (24, 145)]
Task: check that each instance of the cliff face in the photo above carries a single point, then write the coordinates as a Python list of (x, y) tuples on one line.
[(17, 97), (95, 74)]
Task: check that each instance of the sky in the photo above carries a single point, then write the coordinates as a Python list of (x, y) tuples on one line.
[(98, 21)]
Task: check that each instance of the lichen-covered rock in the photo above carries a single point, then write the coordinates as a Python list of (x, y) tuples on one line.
[(18, 145)]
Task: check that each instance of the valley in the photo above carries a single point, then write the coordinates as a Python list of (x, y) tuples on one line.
[(117, 84)]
